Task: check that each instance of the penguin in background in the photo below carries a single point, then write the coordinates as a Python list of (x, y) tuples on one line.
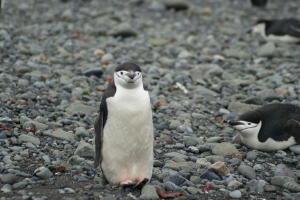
[(124, 129), (278, 30), (271, 127)]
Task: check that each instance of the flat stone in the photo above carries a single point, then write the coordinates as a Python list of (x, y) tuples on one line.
[(187, 166), (149, 193), (224, 149), (256, 186), (94, 72), (281, 180), (247, 171), (267, 50), (240, 108), (28, 138), (283, 170), (178, 157), (8, 178), (80, 108), (85, 150), (20, 185), (60, 134)]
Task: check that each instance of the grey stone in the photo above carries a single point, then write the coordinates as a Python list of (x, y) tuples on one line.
[(256, 186), (283, 170), (80, 108), (236, 53), (240, 108), (43, 172), (191, 141), (107, 57), (281, 180), (85, 150), (295, 149), (236, 194), (149, 193), (76, 160), (178, 157), (234, 184), (28, 138), (123, 30), (251, 155), (94, 72), (224, 149), (81, 132), (267, 50), (8, 178), (247, 171), (34, 124), (157, 6), (177, 5), (6, 188), (20, 185), (60, 134)]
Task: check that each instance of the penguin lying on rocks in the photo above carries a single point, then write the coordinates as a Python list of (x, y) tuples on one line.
[(124, 129), (271, 127), (283, 30)]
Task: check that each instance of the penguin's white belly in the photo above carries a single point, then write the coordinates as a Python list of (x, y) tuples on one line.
[(284, 38), (127, 151), (269, 144)]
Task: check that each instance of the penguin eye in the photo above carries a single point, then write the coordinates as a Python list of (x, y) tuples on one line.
[(138, 73), (121, 73), (249, 123)]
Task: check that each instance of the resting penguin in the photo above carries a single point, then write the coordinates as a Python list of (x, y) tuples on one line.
[(270, 127), (283, 30), (124, 129)]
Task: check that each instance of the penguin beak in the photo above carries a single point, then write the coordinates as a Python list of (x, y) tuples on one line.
[(235, 123), (131, 75)]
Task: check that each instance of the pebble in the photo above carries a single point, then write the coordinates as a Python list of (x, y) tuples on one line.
[(6, 188), (220, 168), (28, 138), (224, 149), (85, 150), (60, 134), (251, 155), (43, 172), (236, 194), (247, 171), (149, 193), (267, 50), (8, 178), (295, 149)]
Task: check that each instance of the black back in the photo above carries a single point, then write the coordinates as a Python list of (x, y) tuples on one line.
[(282, 27), (279, 121), (128, 67)]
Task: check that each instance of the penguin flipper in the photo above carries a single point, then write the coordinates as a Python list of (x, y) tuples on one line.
[(98, 139), (292, 128)]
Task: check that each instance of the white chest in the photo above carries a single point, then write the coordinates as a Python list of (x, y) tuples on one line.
[(268, 145)]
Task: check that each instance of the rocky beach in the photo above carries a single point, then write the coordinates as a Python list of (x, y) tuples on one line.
[(201, 68)]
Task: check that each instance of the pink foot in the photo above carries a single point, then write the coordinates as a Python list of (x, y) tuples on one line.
[(126, 182)]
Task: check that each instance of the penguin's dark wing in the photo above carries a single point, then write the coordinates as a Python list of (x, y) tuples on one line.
[(293, 28), (100, 122), (292, 128)]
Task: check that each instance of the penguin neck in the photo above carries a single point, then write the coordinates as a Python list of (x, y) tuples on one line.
[(252, 132)]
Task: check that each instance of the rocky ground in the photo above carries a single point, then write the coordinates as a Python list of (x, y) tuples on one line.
[(200, 67)]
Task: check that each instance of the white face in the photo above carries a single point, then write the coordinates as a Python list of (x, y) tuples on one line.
[(247, 128), (128, 79), (259, 29)]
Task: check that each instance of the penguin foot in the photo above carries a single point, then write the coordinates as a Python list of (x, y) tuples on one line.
[(127, 183)]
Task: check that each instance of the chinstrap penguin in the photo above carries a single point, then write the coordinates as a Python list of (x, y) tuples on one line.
[(283, 30), (271, 127), (124, 129)]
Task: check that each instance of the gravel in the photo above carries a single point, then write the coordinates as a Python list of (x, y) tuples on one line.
[(200, 67)]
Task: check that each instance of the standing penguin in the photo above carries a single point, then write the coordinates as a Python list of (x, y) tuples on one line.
[(282, 30), (124, 129), (272, 127)]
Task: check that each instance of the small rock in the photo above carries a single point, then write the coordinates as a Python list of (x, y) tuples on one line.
[(236, 53), (20, 185), (281, 180), (6, 188), (85, 150), (251, 155), (270, 188), (60, 134), (256, 186), (240, 108), (224, 149), (236, 194), (210, 175), (75, 160), (220, 168), (107, 57), (295, 149), (77, 107), (28, 138), (81, 132), (149, 193), (178, 157), (8, 178), (123, 30), (43, 173), (267, 50), (234, 184), (283, 170), (247, 171)]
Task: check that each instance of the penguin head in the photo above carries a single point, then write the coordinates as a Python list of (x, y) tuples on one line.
[(246, 128), (128, 75), (260, 27)]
